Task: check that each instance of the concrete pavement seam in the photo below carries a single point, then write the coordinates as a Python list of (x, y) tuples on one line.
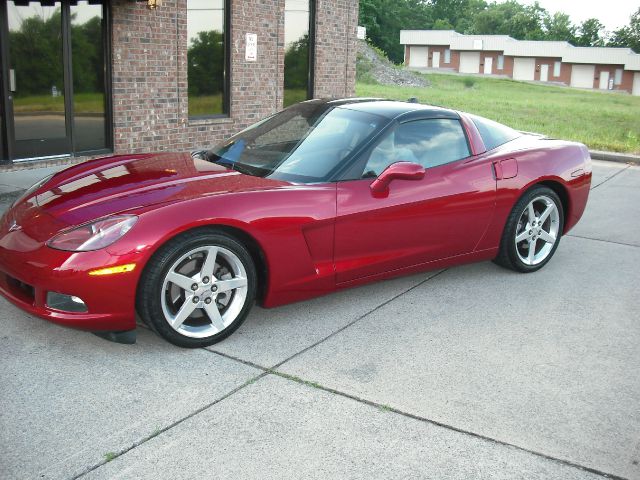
[(238, 359), (273, 370), (609, 178), (412, 416), (603, 241), (353, 322), (160, 431), (267, 371), (248, 362)]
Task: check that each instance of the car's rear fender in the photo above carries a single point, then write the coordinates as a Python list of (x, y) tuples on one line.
[(563, 166)]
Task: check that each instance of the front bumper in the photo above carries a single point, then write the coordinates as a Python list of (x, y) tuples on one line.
[(30, 269)]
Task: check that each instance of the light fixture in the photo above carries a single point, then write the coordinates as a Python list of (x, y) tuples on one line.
[(129, 267), (153, 4)]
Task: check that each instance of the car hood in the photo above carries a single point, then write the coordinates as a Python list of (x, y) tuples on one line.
[(122, 183)]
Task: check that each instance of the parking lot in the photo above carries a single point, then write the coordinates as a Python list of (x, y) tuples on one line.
[(470, 372)]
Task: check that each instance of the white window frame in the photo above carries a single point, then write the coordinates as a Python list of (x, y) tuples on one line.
[(447, 55), (500, 62), (557, 66)]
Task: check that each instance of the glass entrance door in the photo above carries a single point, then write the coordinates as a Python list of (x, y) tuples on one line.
[(54, 73), (36, 79)]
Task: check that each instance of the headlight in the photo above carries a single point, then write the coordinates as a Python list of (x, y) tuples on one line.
[(95, 235), (32, 189)]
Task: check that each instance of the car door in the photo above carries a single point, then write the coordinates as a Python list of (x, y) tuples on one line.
[(442, 215)]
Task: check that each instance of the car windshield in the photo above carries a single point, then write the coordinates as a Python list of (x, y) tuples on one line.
[(306, 143)]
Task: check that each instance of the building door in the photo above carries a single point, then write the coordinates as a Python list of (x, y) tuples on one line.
[(418, 56), (488, 65), (54, 78), (582, 76), (435, 61), (524, 68), (604, 81), (544, 73), (37, 110), (636, 84), (469, 62)]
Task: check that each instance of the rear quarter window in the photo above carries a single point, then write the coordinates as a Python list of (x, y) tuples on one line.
[(493, 133)]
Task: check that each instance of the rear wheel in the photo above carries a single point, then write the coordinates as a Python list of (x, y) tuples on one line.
[(532, 232), (197, 289)]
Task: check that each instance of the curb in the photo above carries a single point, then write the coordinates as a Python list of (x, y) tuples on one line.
[(615, 157)]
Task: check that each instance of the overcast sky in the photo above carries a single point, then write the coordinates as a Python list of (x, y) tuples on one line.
[(612, 13)]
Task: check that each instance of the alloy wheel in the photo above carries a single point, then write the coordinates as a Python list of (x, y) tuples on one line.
[(537, 230), (204, 291)]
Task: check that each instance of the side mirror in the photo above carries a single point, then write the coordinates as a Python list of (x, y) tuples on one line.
[(396, 171)]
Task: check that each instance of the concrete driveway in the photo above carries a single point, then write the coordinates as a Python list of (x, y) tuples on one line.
[(471, 372)]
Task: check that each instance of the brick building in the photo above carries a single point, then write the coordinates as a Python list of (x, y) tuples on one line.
[(89, 77), (559, 62)]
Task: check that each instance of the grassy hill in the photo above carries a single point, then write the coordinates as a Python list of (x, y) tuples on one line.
[(601, 120)]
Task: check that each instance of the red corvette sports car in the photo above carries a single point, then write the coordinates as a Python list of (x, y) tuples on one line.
[(324, 195)]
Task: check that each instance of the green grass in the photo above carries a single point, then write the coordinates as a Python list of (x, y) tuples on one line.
[(602, 121), (83, 103), (110, 456), (205, 105), (292, 96)]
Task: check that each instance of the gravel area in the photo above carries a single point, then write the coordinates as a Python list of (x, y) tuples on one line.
[(371, 66)]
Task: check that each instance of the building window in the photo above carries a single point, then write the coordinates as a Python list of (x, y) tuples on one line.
[(556, 69), (500, 62), (618, 77), (207, 57), (447, 56), (298, 56)]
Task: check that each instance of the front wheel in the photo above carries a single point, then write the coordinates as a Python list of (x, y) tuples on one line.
[(197, 289), (532, 232)]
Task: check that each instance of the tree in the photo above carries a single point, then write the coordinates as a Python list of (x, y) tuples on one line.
[(527, 24), (441, 24), (205, 63), (628, 36), (38, 45), (87, 55), (296, 64), (590, 33), (524, 22), (385, 18), (559, 27)]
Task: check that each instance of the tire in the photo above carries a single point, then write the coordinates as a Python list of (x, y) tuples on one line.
[(197, 289), (521, 233)]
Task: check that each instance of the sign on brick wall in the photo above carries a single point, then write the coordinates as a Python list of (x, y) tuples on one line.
[(251, 49)]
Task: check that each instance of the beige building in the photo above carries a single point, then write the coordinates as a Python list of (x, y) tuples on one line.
[(558, 62)]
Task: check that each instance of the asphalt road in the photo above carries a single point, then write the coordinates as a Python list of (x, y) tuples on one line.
[(471, 372)]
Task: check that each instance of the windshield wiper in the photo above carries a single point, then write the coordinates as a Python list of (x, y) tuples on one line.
[(238, 167), (242, 169)]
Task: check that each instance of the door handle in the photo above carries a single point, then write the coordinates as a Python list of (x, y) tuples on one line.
[(12, 79)]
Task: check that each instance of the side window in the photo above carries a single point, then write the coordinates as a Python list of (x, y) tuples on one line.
[(430, 143), (493, 133)]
